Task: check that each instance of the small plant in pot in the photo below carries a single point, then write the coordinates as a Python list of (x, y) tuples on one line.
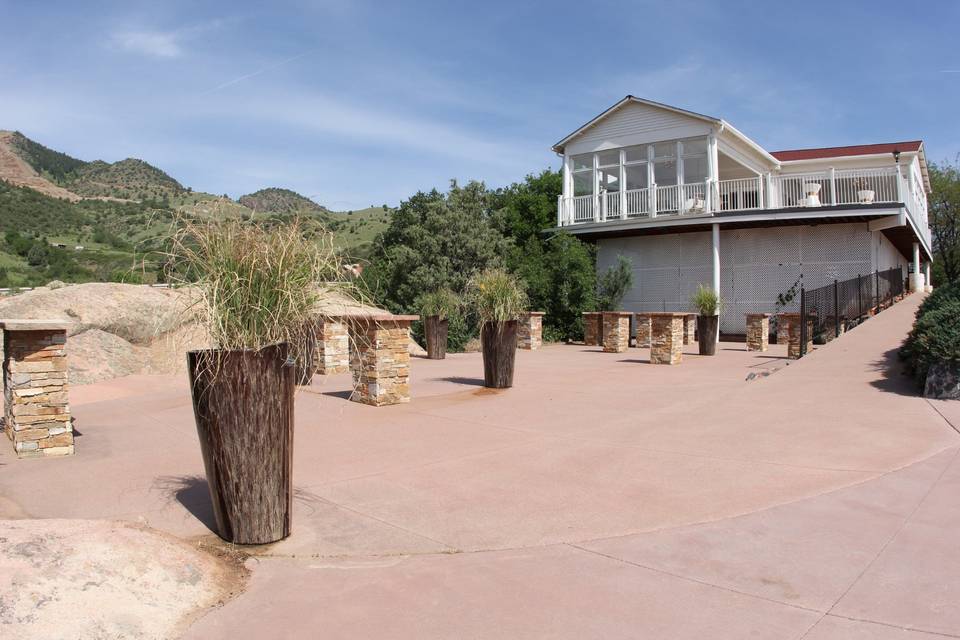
[(255, 292), (708, 304), (865, 194), (499, 300), (436, 308)]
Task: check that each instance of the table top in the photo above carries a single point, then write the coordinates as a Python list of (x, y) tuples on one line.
[(9, 324)]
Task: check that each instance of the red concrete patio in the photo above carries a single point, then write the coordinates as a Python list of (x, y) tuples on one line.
[(602, 496)]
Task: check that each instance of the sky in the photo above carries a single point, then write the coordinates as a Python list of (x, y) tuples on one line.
[(357, 103)]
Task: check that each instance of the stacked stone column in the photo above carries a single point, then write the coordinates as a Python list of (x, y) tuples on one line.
[(643, 329), (530, 331), (380, 359), (666, 337), (591, 328), (616, 331), (333, 346), (791, 323), (37, 414), (689, 327), (758, 331)]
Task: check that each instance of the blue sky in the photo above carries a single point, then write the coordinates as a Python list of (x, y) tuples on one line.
[(357, 103)]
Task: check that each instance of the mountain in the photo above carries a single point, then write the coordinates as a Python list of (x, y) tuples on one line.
[(129, 179), (67, 219), (281, 201)]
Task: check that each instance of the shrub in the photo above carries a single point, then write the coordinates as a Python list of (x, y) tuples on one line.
[(442, 302), (940, 296), (935, 336), (707, 301), (497, 296), (614, 283)]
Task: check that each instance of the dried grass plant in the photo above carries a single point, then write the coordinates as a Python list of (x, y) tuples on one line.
[(497, 296), (256, 285)]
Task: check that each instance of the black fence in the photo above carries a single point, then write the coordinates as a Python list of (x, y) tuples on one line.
[(829, 311)]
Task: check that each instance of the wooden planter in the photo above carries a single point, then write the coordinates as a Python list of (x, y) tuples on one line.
[(243, 406), (435, 332), (707, 334), (499, 340), (306, 364)]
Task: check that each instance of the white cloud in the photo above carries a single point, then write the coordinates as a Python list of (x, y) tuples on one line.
[(156, 44)]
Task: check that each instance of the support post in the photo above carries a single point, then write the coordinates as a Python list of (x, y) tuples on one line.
[(876, 275), (833, 185), (859, 298), (928, 283), (803, 322), (836, 309), (916, 278), (716, 265)]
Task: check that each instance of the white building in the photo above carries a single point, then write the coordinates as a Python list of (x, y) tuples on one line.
[(690, 199)]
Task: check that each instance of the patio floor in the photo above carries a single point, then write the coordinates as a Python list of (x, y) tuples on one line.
[(602, 496)]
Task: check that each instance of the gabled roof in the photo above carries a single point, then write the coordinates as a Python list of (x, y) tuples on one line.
[(852, 150), (627, 100), (630, 99)]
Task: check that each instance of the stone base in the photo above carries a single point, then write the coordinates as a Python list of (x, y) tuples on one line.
[(689, 328), (333, 347), (643, 330), (758, 331), (530, 331), (790, 322), (591, 329), (616, 331), (37, 413), (380, 359), (917, 282), (666, 338)]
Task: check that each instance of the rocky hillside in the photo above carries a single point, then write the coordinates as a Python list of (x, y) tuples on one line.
[(129, 179), (280, 201)]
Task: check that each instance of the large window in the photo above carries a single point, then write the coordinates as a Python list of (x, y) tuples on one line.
[(632, 168)]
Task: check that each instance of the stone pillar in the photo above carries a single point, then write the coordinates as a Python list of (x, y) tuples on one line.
[(616, 331), (689, 327), (666, 337), (37, 414), (380, 359), (333, 346), (530, 331), (591, 328), (758, 331), (643, 329), (916, 278), (791, 323)]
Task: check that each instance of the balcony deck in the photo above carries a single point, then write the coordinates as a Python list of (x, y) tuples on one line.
[(852, 193)]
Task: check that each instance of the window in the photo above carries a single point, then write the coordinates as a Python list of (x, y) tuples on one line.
[(674, 162), (582, 183), (583, 161), (636, 176), (665, 172), (610, 178), (608, 158)]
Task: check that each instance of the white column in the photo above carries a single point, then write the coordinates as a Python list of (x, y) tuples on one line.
[(716, 265), (916, 278), (768, 181), (928, 284)]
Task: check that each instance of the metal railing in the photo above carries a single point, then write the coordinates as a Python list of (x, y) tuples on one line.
[(827, 312)]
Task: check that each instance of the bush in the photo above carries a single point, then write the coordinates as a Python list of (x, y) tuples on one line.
[(614, 283), (940, 296), (935, 336), (497, 296)]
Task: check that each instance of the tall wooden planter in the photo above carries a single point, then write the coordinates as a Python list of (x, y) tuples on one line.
[(707, 334), (306, 364), (499, 340), (435, 331), (243, 406)]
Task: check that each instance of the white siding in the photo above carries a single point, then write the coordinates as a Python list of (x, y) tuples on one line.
[(637, 124), (885, 255), (756, 265)]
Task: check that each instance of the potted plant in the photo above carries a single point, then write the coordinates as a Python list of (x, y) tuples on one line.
[(865, 195), (708, 305), (436, 308), (499, 300), (256, 289)]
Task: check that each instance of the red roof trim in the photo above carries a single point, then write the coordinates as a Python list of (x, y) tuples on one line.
[(854, 150)]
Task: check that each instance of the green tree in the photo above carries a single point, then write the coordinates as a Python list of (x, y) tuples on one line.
[(944, 216), (558, 269), (435, 240)]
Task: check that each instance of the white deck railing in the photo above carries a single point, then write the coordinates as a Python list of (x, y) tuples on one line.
[(819, 189)]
